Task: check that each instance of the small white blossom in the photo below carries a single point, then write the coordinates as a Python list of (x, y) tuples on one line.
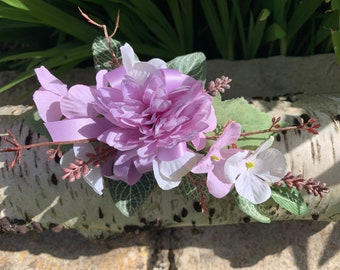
[(252, 172)]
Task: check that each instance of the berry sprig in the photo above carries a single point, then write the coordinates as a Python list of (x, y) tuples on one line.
[(310, 185)]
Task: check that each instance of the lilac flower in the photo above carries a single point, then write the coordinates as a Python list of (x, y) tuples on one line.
[(53, 102), (154, 112), (213, 162), (47, 97), (252, 172)]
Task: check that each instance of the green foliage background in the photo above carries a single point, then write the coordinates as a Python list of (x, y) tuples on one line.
[(54, 34)]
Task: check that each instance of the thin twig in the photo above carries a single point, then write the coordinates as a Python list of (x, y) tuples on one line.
[(107, 36)]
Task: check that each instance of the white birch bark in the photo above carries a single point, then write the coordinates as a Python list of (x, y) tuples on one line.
[(34, 191)]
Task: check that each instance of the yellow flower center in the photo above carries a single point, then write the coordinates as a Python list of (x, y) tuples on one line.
[(250, 165), (215, 158)]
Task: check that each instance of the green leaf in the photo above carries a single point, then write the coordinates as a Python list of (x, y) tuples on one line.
[(193, 64), (290, 199), (73, 55), (53, 16), (273, 32), (195, 188), (102, 55), (128, 198), (256, 211), (249, 117)]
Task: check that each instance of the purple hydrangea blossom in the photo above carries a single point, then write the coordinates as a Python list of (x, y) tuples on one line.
[(145, 111), (154, 113)]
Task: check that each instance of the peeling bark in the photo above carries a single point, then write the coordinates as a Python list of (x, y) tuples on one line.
[(35, 193)]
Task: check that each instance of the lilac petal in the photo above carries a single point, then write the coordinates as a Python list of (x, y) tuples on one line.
[(211, 121), (204, 165), (167, 154), (125, 156), (216, 187), (107, 169), (77, 102), (173, 79), (49, 82), (252, 188), (115, 77), (127, 172), (229, 136), (270, 165), (47, 98), (119, 138), (77, 129), (100, 79), (199, 142), (48, 105)]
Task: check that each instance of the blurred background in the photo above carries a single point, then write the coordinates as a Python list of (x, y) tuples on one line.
[(54, 34)]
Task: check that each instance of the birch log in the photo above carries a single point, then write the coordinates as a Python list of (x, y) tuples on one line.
[(34, 192)]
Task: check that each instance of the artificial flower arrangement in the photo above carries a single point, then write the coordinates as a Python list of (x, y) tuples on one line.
[(154, 122)]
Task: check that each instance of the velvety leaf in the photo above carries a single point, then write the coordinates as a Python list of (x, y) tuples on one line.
[(128, 198), (102, 55), (193, 64), (250, 118), (197, 191), (256, 211), (290, 199)]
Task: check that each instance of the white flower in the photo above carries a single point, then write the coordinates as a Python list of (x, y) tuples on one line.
[(252, 172), (136, 69), (169, 174), (94, 176)]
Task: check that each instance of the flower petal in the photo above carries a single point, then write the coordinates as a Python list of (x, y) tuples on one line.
[(230, 135), (48, 105), (252, 188), (179, 167), (216, 186), (264, 146), (67, 158), (49, 82), (128, 57), (235, 165), (270, 165), (95, 180), (164, 182), (173, 171), (78, 102), (77, 129)]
